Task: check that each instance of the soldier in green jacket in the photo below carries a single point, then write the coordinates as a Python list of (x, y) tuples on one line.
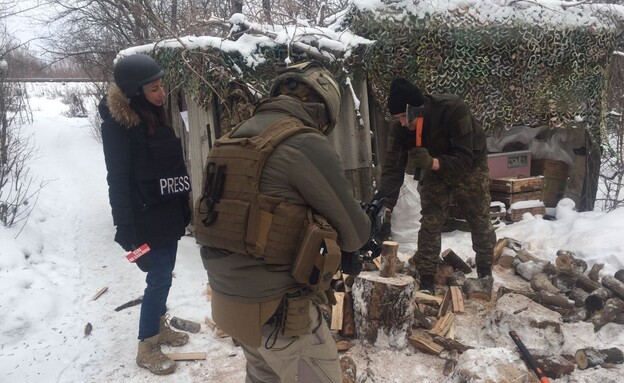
[(452, 158), (275, 212)]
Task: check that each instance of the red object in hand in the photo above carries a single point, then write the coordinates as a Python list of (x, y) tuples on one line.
[(137, 253)]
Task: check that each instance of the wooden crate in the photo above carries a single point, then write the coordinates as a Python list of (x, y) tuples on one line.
[(510, 198), (516, 184), (515, 214)]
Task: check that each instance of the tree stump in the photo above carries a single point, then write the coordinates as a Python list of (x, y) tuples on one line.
[(591, 357), (383, 309), (389, 260)]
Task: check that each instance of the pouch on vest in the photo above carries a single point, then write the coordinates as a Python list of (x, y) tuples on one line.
[(318, 255), (296, 315)]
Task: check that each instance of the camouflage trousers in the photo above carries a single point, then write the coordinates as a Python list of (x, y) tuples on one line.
[(471, 193)]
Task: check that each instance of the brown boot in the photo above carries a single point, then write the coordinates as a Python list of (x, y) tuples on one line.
[(150, 357), (169, 337)]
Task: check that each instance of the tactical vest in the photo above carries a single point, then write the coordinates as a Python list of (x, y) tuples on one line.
[(232, 214)]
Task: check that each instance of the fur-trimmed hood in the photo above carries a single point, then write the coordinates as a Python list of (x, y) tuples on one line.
[(117, 106)]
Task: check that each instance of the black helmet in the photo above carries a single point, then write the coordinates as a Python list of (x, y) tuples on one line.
[(132, 72), (320, 80)]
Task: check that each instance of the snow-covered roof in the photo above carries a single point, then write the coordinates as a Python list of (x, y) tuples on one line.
[(547, 13)]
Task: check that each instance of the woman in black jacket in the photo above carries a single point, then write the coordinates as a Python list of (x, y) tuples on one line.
[(148, 189)]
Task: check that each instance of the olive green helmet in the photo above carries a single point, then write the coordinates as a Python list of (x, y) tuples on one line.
[(314, 76)]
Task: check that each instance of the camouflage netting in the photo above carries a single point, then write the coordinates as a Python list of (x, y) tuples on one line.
[(508, 74), (218, 69)]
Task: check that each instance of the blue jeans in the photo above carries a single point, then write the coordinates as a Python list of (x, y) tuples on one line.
[(159, 276)]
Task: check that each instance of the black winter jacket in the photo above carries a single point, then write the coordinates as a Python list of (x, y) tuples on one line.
[(450, 133), (148, 185)]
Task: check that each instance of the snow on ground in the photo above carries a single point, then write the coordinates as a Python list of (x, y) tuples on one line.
[(65, 254)]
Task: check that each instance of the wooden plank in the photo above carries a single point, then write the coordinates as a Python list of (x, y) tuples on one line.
[(428, 299), (445, 304), (457, 298), (337, 317), (510, 198), (516, 184), (443, 325), (100, 292), (210, 324), (424, 342), (515, 215), (187, 356)]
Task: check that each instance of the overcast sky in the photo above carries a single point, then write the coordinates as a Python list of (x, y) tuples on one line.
[(27, 26)]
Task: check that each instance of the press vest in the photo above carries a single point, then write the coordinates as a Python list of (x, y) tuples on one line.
[(231, 214)]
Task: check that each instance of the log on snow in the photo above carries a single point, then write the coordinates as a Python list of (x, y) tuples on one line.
[(614, 285), (591, 357), (540, 282), (619, 275), (578, 295), (594, 272), (566, 261), (554, 366), (349, 369), (612, 308), (595, 301), (185, 325)]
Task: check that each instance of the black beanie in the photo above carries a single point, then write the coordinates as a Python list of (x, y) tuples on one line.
[(403, 92)]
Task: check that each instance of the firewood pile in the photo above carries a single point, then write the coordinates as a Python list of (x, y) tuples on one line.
[(374, 304)]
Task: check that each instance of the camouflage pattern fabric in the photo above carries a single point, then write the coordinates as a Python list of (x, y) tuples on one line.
[(471, 193)]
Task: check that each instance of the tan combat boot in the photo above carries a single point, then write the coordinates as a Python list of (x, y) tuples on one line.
[(169, 337), (151, 357)]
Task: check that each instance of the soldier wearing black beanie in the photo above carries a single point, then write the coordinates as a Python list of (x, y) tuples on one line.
[(452, 155)]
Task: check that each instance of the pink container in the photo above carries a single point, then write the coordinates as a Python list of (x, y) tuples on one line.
[(510, 164)]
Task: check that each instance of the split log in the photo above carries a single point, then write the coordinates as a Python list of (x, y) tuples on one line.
[(612, 308), (428, 299), (337, 310), (614, 285), (594, 273), (591, 357), (498, 249), (185, 325), (525, 256), (450, 344), (578, 296), (343, 345), (348, 321), (446, 303), (567, 261), (187, 356), (389, 260), (540, 282), (133, 302), (443, 325), (349, 369), (428, 310), (619, 275), (421, 319), (479, 288), (596, 300), (553, 366), (385, 308), (505, 260), (457, 299), (458, 264), (424, 342)]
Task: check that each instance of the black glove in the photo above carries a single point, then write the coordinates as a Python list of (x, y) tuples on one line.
[(351, 263), (420, 158), (126, 237)]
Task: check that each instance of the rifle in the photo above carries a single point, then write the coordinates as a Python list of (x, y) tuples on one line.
[(528, 358)]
